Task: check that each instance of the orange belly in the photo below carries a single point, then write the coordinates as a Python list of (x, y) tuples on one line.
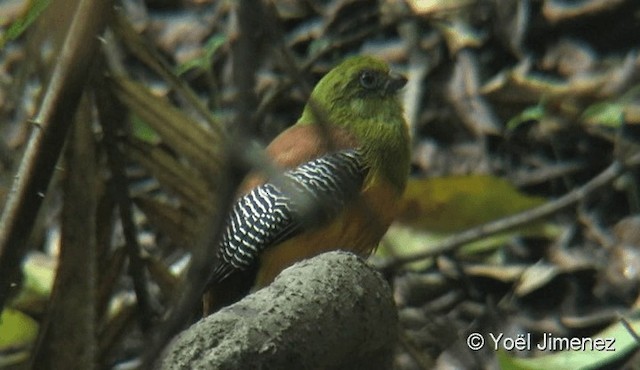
[(358, 229)]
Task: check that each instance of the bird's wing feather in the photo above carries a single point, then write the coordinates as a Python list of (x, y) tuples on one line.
[(304, 197), (300, 144)]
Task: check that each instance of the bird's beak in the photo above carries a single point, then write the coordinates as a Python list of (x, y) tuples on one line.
[(394, 83)]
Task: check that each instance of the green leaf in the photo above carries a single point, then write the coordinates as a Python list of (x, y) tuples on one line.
[(17, 333), (16, 329), (604, 114), (612, 113), (141, 130), (535, 113), (39, 273), (450, 204), (205, 61), (432, 208), (33, 11), (402, 241)]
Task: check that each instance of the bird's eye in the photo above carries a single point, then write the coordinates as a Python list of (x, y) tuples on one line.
[(368, 80)]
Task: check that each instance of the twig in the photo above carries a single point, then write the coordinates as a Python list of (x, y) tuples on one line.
[(70, 320), (630, 329), (454, 242), (110, 118), (595, 230), (528, 178), (52, 124), (246, 52)]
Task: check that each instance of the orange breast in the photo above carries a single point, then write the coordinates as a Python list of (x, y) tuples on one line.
[(358, 229)]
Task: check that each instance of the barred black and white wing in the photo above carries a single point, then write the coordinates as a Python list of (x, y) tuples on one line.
[(306, 196)]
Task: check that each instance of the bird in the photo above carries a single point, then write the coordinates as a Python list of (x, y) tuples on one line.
[(345, 165)]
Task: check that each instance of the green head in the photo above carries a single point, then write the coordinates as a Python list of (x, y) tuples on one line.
[(361, 95)]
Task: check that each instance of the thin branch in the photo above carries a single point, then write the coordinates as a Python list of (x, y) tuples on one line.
[(454, 242), (49, 132), (111, 119), (67, 336), (246, 52)]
